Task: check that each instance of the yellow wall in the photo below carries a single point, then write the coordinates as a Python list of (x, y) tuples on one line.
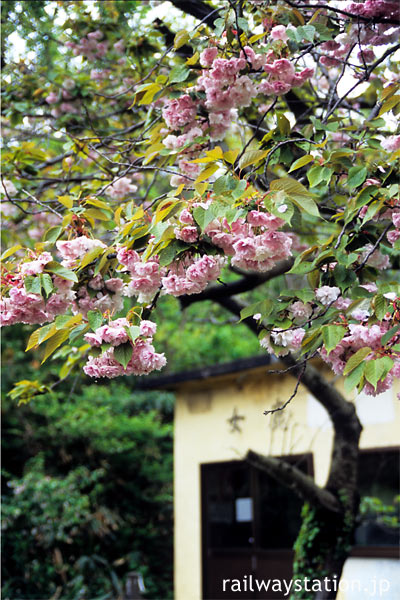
[(203, 435)]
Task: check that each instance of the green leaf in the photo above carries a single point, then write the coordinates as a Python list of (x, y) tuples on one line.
[(60, 271), (179, 74), (319, 174), (389, 105), (46, 332), (202, 216), (10, 251), (67, 201), (46, 283), (95, 319), (123, 353), (389, 334), (264, 307), (344, 277), (302, 267), (226, 183), (243, 24), (312, 343), (61, 321), (297, 192), (54, 342), (77, 332), (206, 173), (181, 38), (133, 332), (167, 255), (32, 285), (356, 359), (252, 157), (354, 377), (33, 340), (357, 175), (283, 124), (52, 234), (376, 370), (306, 32), (301, 162), (307, 204), (99, 214), (239, 189), (332, 335), (380, 305), (90, 257)]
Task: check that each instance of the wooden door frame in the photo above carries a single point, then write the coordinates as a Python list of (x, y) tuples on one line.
[(204, 467)]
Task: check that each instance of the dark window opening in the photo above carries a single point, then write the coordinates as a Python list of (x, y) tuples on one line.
[(249, 522), (244, 507), (379, 487)]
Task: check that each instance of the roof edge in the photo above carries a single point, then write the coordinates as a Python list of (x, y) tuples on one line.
[(173, 380)]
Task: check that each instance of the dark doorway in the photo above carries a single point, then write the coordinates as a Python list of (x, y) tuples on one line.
[(250, 522)]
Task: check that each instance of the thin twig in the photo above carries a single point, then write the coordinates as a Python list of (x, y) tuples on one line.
[(288, 401)]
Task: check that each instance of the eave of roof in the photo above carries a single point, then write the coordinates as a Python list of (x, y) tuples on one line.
[(173, 380)]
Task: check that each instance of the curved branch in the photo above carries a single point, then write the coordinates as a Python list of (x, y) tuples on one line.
[(248, 282), (347, 426), (198, 9), (303, 485)]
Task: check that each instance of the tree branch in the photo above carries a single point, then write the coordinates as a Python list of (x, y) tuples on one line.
[(388, 20), (347, 426), (198, 9), (303, 485), (248, 282)]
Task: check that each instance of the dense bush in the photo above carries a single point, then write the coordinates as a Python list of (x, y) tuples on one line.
[(87, 494)]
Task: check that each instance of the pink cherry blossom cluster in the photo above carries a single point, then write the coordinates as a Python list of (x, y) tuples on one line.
[(254, 243), (224, 87), (120, 188), (99, 294), (279, 33), (72, 250), (8, 188), (366, 33), (21, 306), (375, 258), (144, 358), (90, 46), (39, 223), (361, 336), (283, 77), (145, 276), (327, 294), (191, 275), (100, 74), (173, 142), (300, 311), (226, 90), (392, 143), (187, 230), (33, 267), (374, 8), (394, 234), (283, 341), (179, 112), (63, 100)]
